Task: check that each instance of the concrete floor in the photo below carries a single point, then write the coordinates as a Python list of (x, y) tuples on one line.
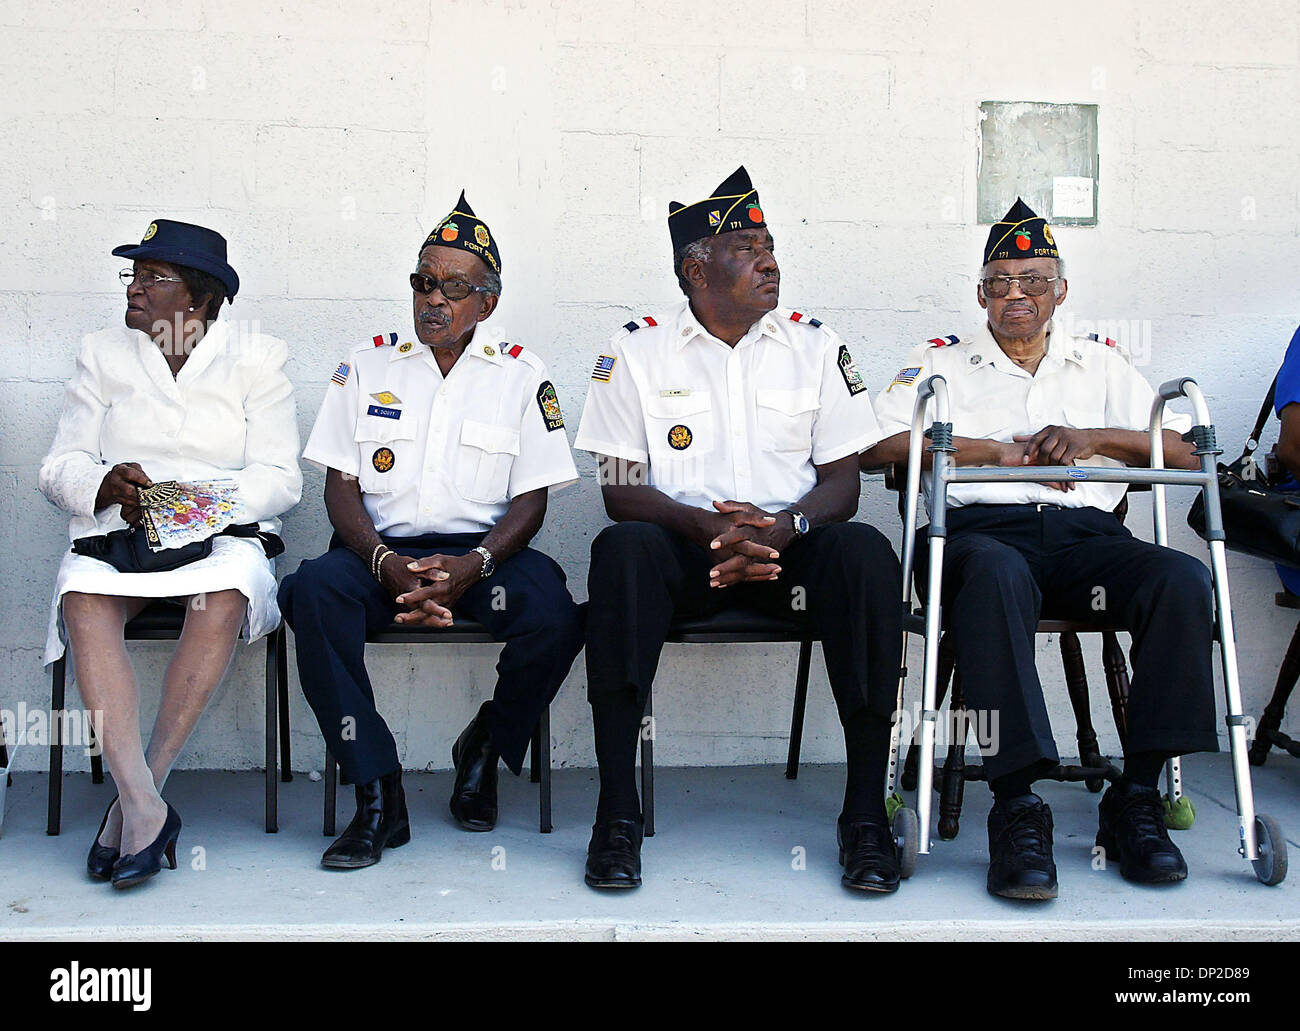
[(723, 865)]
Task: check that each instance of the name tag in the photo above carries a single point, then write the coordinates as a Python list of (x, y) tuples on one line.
[(384, 413)]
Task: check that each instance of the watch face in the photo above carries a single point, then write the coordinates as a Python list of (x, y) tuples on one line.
[(800, 524)]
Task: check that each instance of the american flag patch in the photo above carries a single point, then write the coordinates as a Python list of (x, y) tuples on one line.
[(905, 376), (604, 368), (341, 374)]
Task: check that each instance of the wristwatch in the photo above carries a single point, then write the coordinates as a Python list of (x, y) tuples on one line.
[(489, 563), (800, 520)]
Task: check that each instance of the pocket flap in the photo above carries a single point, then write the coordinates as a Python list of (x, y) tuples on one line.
[(980, 425), (678, 407), (377, 428), (790, 402), (499, 440)]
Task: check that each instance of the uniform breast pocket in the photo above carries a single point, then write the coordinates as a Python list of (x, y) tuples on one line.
[(483, 461), (679, 427), (1083, 413), (994, 424), (387, 452), (785, 418)]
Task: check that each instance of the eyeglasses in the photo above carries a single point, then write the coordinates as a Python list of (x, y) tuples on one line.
[(452, 289), (1030, 285), (146, 279)]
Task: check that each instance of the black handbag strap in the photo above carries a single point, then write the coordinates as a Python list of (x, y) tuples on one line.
[(1264, 410)]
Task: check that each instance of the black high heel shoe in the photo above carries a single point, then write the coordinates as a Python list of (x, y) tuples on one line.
[(99, 864), (140, 866)]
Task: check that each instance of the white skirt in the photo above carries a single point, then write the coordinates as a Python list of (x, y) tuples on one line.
[(236, 563)]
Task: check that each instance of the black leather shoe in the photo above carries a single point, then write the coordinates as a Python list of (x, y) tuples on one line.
[(869, 856), (1020, 849), (614, 854), (474, 797), (380, 823), (99, 863), (1131, 830), (140, 866)]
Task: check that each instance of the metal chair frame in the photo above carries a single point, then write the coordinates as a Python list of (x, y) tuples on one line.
[(163, 621), (1260, 837), (1268, 732)]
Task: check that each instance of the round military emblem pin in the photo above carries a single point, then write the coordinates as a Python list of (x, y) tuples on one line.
[(405, 348), (481, 235), (680, 437), (148, 233), (1047, 234), (382, 459)]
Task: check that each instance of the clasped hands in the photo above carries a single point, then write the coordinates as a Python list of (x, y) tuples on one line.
[(745, 543), (1052, 445), (427, 588)]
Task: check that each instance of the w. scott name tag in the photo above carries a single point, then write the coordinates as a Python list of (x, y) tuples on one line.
[(384, 413)]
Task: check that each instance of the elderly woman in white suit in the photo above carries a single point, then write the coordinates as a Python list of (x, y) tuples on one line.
[(177, 393)]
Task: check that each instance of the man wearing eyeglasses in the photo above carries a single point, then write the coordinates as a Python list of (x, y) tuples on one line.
[(439, 455), (1023, 391)]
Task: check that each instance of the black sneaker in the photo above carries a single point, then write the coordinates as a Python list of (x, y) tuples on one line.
[(1131, 829), (1020, 849)]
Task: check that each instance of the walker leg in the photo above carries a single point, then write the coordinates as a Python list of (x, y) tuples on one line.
[(929, 715)]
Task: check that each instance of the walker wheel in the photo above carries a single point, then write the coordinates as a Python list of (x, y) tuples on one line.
[(1180, 815), (1270, 867), (907, 835), (893, 804)]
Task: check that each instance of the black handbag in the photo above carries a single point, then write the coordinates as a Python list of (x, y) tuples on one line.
[(1260, 517), (128, 551)]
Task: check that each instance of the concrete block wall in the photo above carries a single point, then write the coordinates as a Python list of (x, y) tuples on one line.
[(325, 139)]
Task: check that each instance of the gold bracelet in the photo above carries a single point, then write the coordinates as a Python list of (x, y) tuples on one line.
[(377, 560)]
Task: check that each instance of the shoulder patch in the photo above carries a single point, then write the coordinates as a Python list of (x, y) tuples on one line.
[(906, 377), (550, 406), (798, 316), (852, 378), (384, 339), (947, 341), (1102, 340), (341, 374), (604, 370), (640, 323), (514, 350)]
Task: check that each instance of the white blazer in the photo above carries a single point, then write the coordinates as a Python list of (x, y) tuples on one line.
[(229, 413)]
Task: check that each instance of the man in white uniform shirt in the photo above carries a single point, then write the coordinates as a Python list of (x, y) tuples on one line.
[(1024, 392), (727, 433), (439, 456)]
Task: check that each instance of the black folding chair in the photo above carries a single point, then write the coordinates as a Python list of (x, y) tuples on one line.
[(465, 631), (1268, 732), (163, 621), (732, 626)]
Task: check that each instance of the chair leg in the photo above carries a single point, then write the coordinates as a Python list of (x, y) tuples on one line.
[(648, 769), (947, 660), (272, 708), (331, 794), (1112, 660), (1076, 683), (282, 684), (543, 738), (96, 755), (535, 753), (800, 703), (1271, 722), (952, 784), (54, 806)]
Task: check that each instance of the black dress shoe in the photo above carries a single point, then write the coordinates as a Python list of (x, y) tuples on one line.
[(614, 854), (474, 796), (380, 823), (1020, 849), (1131, 829), (99, 863), (140, 866), (869, 856)]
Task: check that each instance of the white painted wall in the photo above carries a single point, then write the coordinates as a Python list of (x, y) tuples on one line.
[(325, 139)]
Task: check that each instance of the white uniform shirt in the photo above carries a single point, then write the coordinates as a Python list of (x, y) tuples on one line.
[(228, 414), (1081, 382), (719, 423), (442, 455)]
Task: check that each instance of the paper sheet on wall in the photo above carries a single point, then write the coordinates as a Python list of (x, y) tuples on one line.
[(1072, 196)]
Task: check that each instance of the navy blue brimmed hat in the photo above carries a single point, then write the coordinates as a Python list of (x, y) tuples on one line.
[(1022, 233), (180, 243), (465, 231), (733, 205)]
